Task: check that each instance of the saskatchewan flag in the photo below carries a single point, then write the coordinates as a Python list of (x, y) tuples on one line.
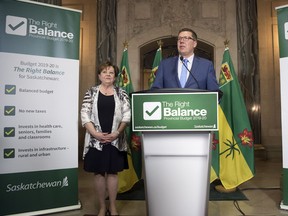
[(128, 178), (232, 145), (156, 62)]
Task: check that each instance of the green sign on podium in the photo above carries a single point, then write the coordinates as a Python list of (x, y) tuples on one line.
[(184, 111)]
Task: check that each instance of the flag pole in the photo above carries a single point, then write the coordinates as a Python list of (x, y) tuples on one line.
[(220, 188), (233, 158), (160, 43), (130, 176), (156, 62)]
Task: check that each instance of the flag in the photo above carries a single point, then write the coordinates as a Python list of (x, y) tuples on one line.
[(128, 178), (156, 62), (233, 144)]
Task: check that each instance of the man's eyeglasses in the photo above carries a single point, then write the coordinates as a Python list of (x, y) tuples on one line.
[(185, 38)]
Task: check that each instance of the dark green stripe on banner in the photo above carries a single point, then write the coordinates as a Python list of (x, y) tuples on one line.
[(285, 186), (283, 31), (34, 29), (34, 191)]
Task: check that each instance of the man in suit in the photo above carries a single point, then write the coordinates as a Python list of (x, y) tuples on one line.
[(200, 72)]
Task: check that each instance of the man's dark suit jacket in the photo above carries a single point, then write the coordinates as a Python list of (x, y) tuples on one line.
[(202, 69)]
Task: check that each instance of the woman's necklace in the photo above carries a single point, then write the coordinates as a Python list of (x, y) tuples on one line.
[(107, 91)]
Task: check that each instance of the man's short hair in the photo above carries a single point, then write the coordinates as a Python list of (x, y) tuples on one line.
[(194, 35)]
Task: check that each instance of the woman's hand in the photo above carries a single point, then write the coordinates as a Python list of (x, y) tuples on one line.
[(102, 137), (111, 136)]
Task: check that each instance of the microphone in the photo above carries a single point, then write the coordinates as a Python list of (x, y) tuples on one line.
[(181, 58)]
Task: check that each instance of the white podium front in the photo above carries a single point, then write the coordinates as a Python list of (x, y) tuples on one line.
[(176, 140), (177, 171)]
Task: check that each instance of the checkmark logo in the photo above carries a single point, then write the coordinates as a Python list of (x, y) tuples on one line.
[(16, 25), (152, 111), (9, 132), (9, 110), (9, 153), (10, 89)]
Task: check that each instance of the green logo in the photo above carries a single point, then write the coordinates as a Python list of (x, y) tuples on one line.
[(171, 111), (9, 132), (9, 153), (9, 110), (16, 25), (10, 89), (36, 28), (152, 111)]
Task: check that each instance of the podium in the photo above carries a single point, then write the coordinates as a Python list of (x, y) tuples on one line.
[(176, 126)]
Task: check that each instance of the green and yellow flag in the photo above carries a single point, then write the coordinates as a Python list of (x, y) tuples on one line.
[(128, 178), (156, 62), (233, 144)]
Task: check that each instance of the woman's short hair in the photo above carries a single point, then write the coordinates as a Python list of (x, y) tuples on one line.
[(108, 64)]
